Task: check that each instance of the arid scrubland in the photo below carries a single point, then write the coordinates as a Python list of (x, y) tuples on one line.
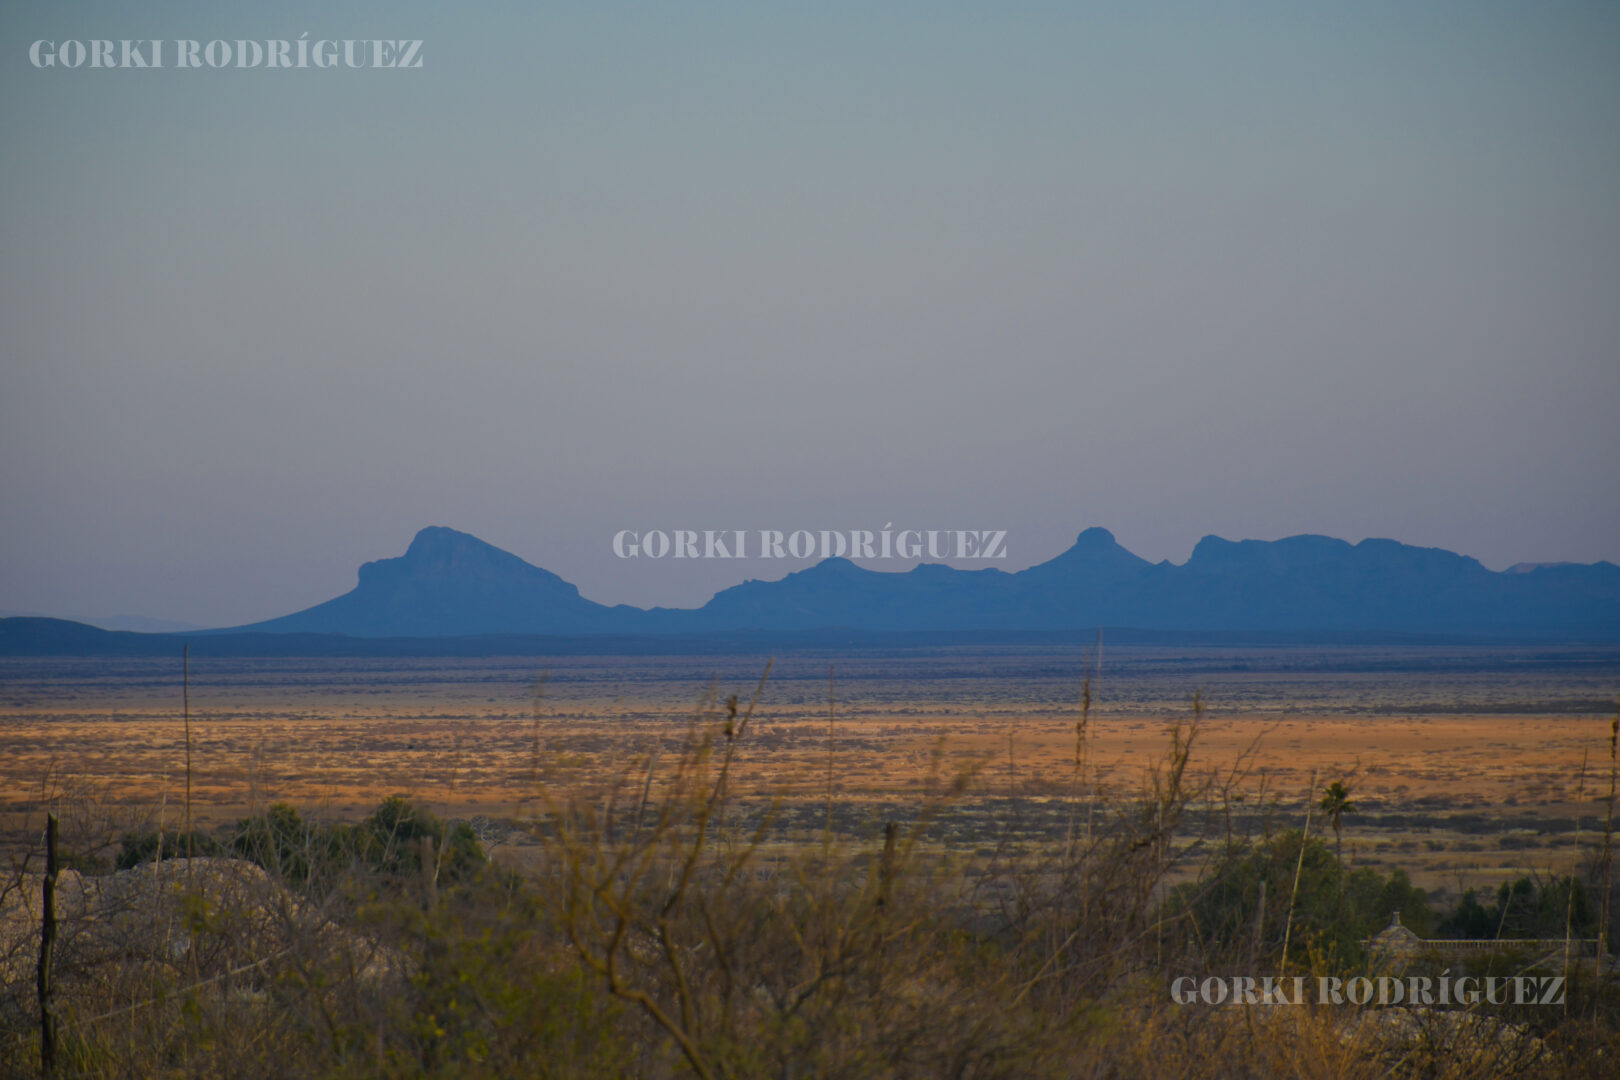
[(970, 866)]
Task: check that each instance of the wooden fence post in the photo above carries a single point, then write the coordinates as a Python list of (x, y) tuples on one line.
[(47, 956)]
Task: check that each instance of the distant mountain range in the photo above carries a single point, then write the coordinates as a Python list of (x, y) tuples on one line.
[(144, 624), (453, 594), (451, 584)]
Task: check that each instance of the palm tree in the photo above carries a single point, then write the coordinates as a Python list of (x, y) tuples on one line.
[(1335, 804)]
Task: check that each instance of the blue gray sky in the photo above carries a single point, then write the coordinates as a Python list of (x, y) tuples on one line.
[(1253, 269)]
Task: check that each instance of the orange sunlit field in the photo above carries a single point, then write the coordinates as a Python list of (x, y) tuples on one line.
[(1467, 764)]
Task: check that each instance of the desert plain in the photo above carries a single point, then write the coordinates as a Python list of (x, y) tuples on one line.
[(1467, 765)]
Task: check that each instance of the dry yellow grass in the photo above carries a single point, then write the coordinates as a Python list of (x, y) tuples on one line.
[(342, 757), (335, 737)]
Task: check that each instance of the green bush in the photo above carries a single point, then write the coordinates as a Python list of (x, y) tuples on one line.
[(1332, 911), (390, 841), (1526, 908), (137, 848)]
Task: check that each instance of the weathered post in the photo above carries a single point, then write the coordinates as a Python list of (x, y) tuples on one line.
[(430, 871), (891, 832), (47, 956)]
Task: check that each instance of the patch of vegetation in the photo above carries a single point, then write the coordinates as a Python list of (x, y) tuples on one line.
[(394, 840), (1526, 908), (1264, 892)]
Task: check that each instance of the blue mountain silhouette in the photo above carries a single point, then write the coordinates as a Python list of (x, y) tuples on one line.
[(450, 584)]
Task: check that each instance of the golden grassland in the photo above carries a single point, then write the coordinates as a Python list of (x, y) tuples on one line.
[(1468, 768)]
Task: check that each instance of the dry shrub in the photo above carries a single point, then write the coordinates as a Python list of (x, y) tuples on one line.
[(668, 928)]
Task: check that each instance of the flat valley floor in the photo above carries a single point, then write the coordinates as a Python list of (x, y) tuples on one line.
[(1469, 765)]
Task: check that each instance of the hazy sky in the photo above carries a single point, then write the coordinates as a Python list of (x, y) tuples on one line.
[(1247, 269)]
